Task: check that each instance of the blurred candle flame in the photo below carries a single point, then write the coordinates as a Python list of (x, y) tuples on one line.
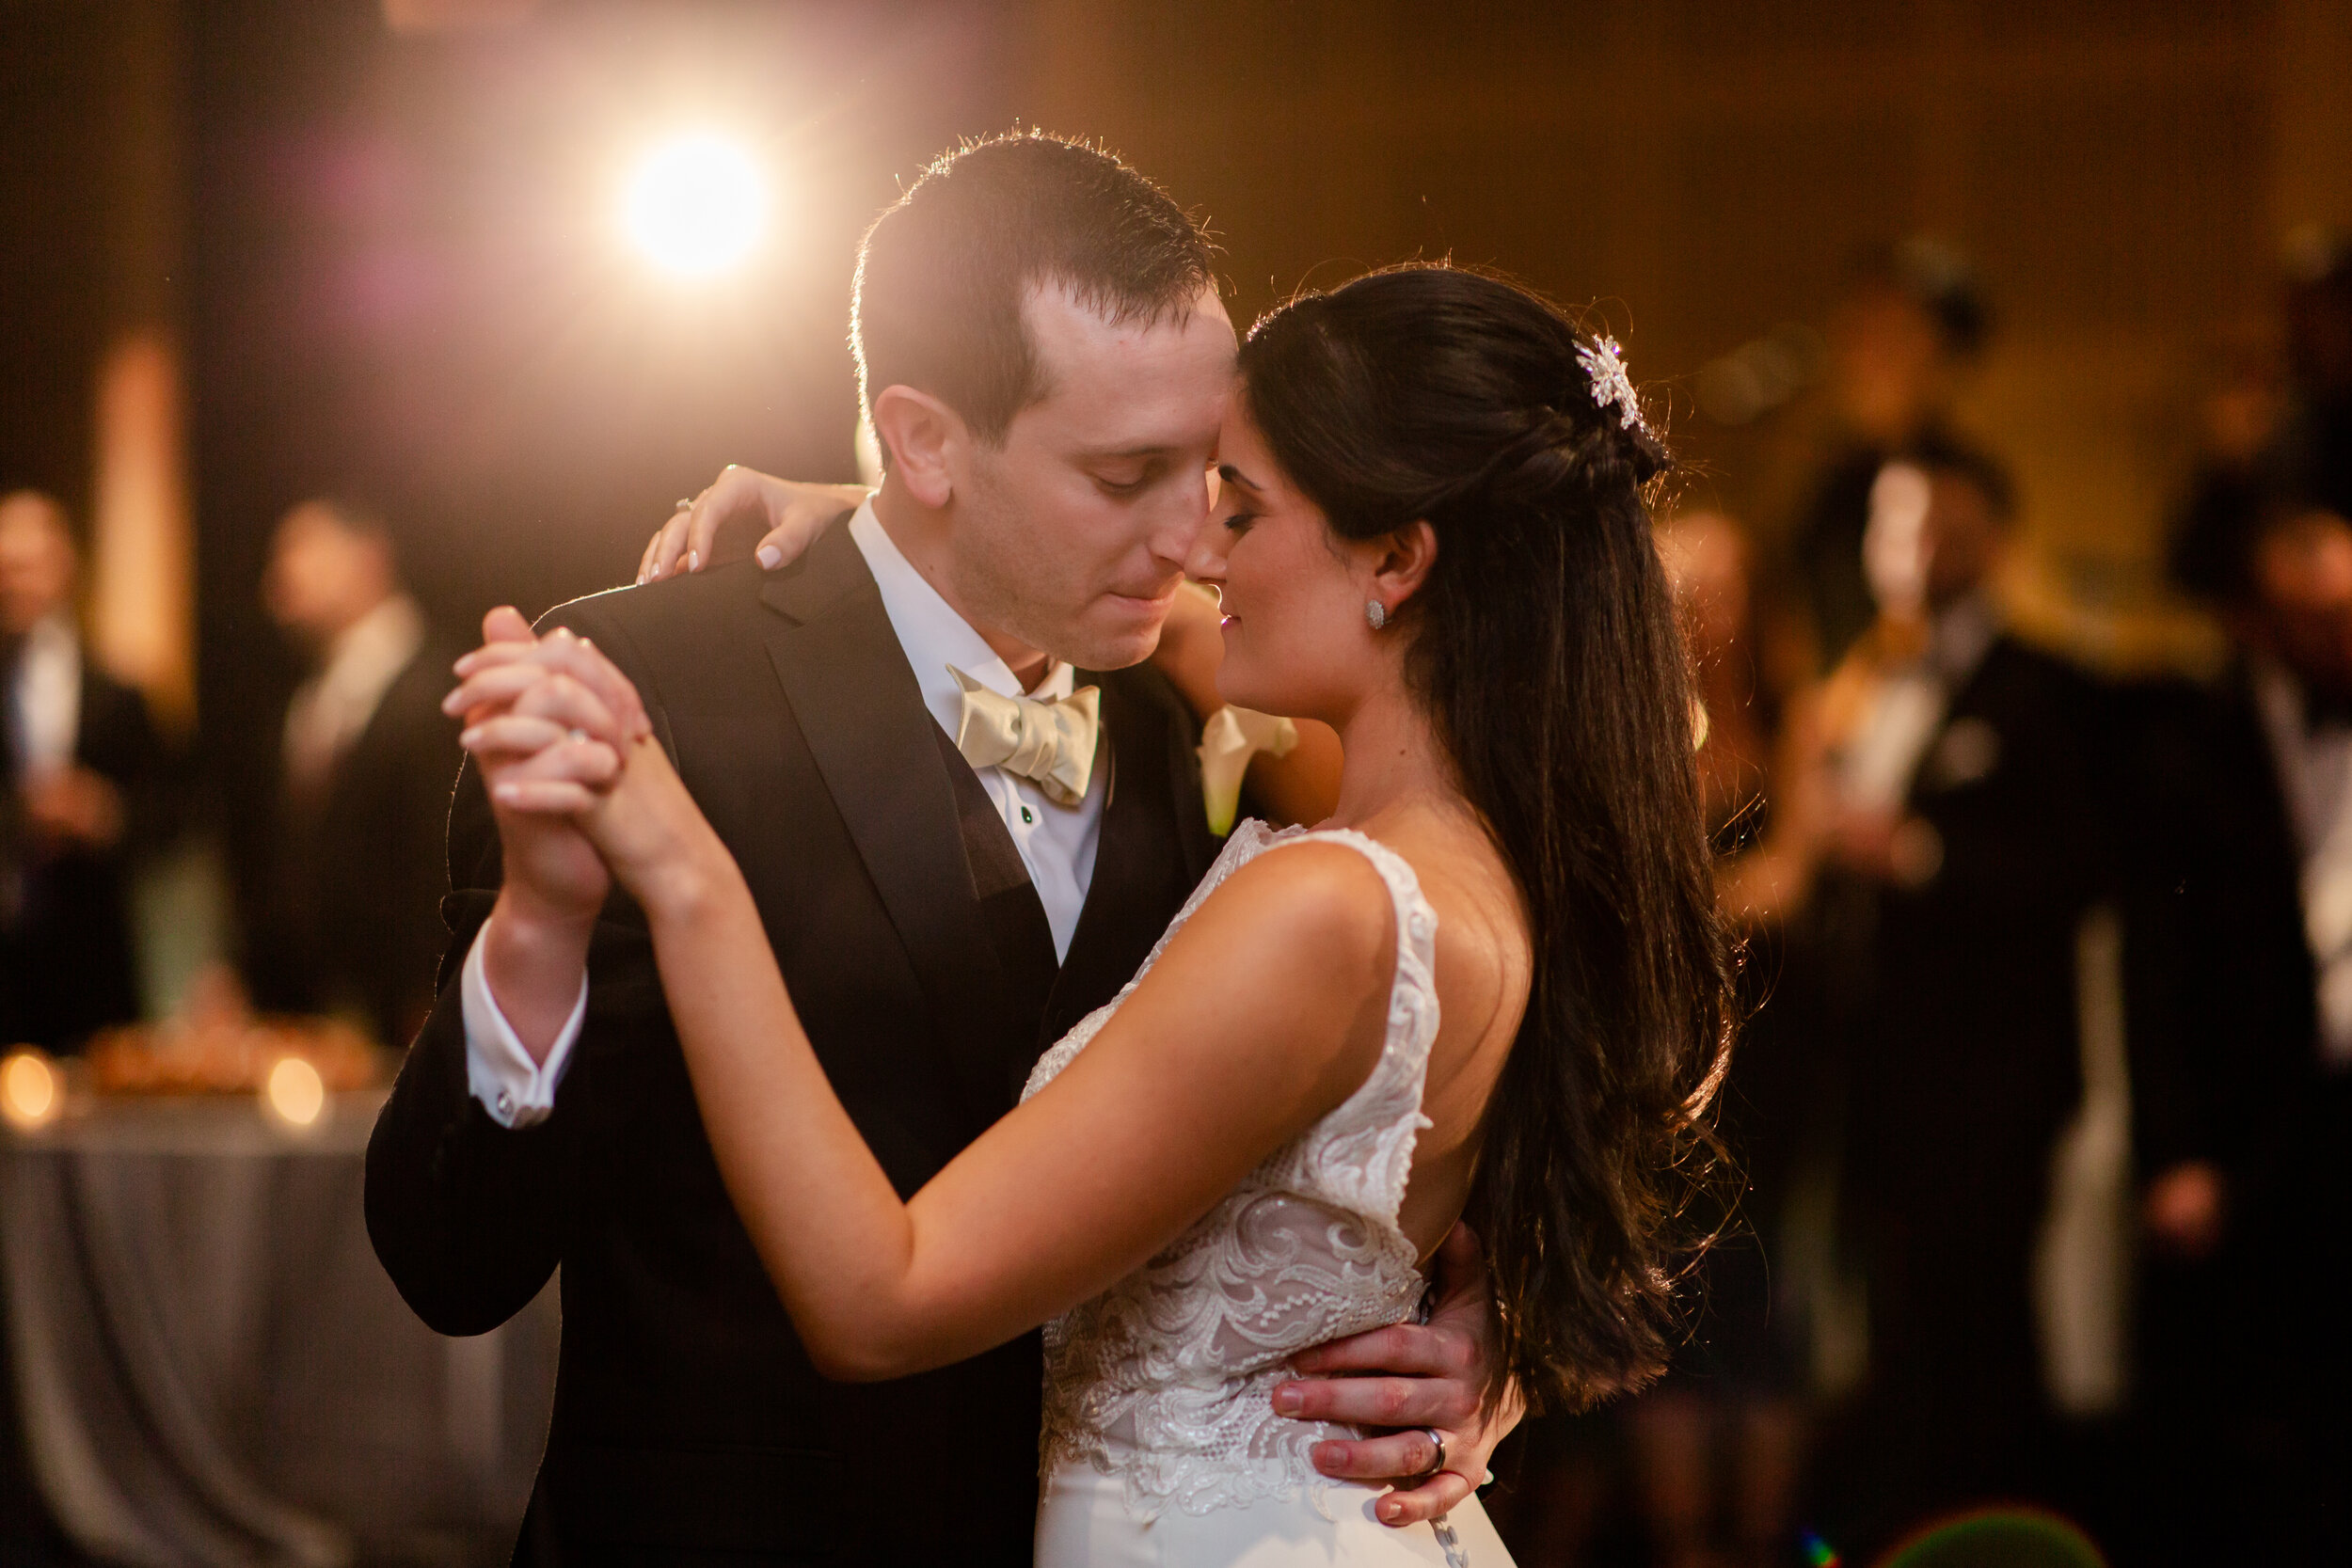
[(294, 1093), (30, 1090)]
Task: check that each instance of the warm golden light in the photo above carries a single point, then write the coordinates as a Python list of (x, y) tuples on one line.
[(696, 205), (294, 1093), (30, 1095)]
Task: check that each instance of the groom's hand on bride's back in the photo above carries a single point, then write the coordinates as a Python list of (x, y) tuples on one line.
[(1411, 1379), (745, 511)]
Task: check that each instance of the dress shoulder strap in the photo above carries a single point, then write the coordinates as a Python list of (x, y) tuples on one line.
[(1362, 1152)]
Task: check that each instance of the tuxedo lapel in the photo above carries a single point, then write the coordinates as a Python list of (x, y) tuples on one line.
[(873, 740)]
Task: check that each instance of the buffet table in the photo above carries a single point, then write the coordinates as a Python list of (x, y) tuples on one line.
[(211, 1367)]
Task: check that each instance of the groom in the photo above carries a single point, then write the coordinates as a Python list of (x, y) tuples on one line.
[(1046, 361)]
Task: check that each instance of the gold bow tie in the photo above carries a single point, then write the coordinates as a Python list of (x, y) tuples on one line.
[(1051, 743)]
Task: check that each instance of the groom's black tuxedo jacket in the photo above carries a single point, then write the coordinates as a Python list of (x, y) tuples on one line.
[(689, 1428)]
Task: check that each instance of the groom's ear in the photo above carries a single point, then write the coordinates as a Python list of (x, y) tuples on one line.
[(922, 436)]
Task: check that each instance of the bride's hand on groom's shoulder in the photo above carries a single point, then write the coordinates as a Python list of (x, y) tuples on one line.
[(743, 505), (1414, 1379)]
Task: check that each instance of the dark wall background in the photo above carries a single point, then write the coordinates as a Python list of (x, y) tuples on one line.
[(50, 60)]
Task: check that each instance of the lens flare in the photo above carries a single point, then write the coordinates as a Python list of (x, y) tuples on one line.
[(30, 1094), (696, 205), (294, 1093)]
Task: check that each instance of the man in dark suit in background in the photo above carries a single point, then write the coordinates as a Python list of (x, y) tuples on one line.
[(1038, 326), (1990, 1133), (2272, 763), (86, 785), (346, 919)]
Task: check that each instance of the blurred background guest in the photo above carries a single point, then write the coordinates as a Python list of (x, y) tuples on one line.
[(87, 786), (1717, 1449), (2267, 542), (2313, 451), (1983, 991), (1907, 327), (346, 919)]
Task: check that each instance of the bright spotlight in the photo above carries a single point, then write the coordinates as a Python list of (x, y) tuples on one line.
[(695, 205), (294, 1093), (29, 1094)]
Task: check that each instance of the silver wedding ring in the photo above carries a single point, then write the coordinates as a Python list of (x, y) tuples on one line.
[(1437, 1464)]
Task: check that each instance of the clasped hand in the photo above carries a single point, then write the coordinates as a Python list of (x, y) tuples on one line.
[(560, 735)]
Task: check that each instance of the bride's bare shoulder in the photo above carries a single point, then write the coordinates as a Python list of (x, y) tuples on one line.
[(1312, 893), (1281, 978)]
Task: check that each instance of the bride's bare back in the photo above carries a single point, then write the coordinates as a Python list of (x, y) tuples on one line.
[(1483, 971)]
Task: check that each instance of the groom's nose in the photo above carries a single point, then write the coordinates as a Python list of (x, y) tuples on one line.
[(1205, 562), (1179, 520)]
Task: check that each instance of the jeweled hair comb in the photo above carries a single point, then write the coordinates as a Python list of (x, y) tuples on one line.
[(1604, 367)]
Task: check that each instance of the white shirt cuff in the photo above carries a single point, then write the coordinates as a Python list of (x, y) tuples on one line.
[(515, 1091)]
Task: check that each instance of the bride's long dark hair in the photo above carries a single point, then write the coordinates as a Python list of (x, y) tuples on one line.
[(1545, 650)]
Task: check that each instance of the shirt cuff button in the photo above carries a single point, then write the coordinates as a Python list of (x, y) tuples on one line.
[(506, 1104)]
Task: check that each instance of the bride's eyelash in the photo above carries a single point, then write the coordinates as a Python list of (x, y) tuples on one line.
[(1239, 522)]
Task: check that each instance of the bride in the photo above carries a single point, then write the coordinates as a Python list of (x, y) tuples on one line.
[(1489, 987)]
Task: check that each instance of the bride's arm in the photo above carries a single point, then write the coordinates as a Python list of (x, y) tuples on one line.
[(1266, 1011)]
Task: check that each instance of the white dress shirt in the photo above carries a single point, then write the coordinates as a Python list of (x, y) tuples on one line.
[(333, 708), (1057, 843), (2314, 763), (1875, 768), (44, 705)]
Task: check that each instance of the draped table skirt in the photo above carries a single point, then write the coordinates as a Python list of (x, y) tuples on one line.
[(212, 1367)]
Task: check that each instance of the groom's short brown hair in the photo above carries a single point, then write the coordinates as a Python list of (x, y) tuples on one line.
[(942, 274)]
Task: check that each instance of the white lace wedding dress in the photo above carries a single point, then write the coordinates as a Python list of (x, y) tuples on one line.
[(1161, 1446)]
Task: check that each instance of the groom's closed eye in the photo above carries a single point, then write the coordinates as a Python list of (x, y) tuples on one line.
[(1129, 479)]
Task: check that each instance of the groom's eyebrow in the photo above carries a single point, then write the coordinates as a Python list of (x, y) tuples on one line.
[(1116, 452)]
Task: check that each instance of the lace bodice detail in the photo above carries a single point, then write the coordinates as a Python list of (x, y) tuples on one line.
[(1165, 1379)]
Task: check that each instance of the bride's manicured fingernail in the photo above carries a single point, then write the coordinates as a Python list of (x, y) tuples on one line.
[(771, 557), (467, 738), (694, 561), (654, 571), (1288, 1400), (1391, 1511)]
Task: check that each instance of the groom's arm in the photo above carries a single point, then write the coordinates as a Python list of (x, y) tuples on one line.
[(462, 1211), (470, 1183)]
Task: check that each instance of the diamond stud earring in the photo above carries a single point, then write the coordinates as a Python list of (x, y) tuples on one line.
[(1375, 612)]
